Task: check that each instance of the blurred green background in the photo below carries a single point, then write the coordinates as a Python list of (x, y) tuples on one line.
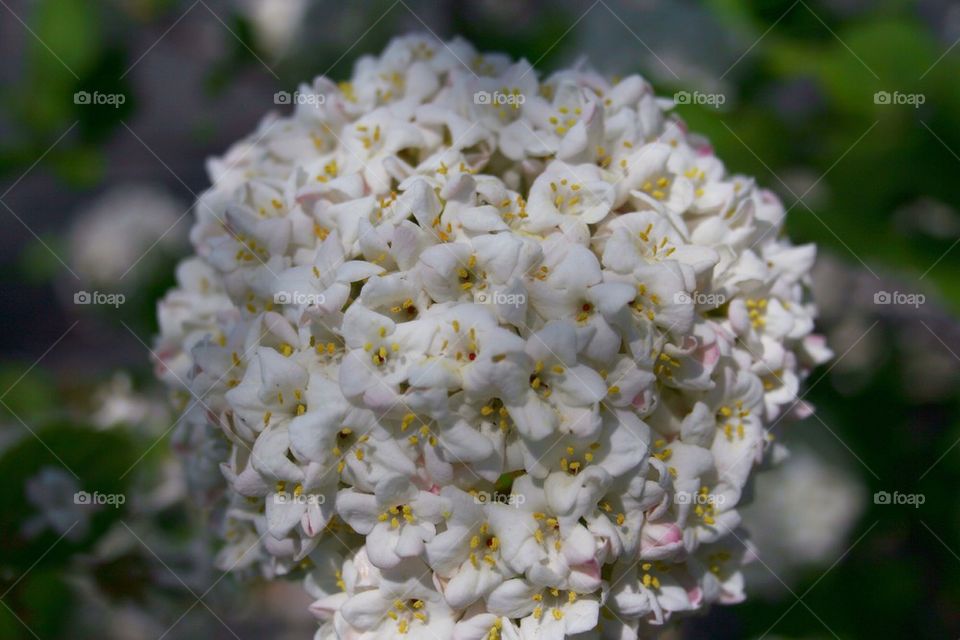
[(848, 109)]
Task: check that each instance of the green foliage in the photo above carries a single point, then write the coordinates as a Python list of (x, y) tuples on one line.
[(100, 460)]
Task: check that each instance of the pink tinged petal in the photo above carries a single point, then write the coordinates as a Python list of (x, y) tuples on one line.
[(586, 577), (315, 518), (660, 540), (695, 596), (579, 546)]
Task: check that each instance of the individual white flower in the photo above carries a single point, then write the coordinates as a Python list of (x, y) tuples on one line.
[(344, 440), (379, 356), (547, 613), (560, 394), (467, 554), (564, 194), (648, 237), (483, 351), (538, 542), (565, 118), (324, 286), (572, 286), (398, 518), (402, 605), (652, 591)]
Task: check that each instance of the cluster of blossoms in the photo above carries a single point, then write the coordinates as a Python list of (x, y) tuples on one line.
[(482, 356)]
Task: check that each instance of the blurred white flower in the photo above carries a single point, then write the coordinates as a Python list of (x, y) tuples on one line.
[(116, 402), (52, 492), (276, 23), (801, 517), (115, 239)]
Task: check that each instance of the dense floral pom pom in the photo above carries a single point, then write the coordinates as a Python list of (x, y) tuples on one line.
[(482, 356)]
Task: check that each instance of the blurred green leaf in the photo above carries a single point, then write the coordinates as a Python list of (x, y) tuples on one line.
[(79, 166), (26, 389), (66, 44)]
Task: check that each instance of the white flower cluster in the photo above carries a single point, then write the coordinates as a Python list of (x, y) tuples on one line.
[(483, 356)]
